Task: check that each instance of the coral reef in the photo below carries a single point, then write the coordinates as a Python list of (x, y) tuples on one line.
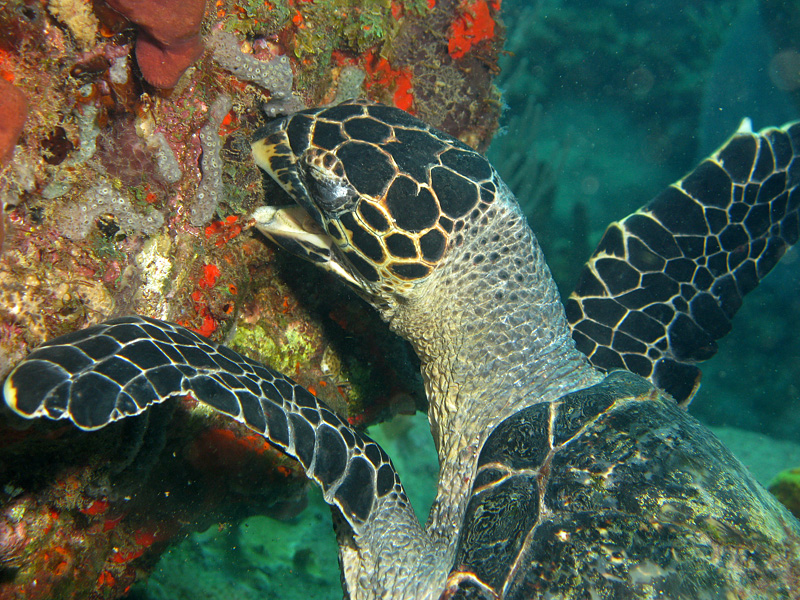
[(473, 26), (122, 196), (433, 82), (13, 110), (77, 15), (100, 526)]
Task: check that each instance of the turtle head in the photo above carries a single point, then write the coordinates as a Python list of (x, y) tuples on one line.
[(381, 198)]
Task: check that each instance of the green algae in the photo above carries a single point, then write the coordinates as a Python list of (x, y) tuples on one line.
[(786, 488), (360, 25), (282, 355)]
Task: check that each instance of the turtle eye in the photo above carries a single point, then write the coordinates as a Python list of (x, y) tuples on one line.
[(327, 184), (333, 164)]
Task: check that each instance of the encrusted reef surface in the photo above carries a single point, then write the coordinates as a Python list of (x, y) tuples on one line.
[(126, 183)]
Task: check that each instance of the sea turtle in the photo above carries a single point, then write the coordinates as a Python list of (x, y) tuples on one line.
[(557, 479)]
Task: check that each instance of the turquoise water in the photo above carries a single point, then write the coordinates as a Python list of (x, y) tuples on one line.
[(607, 103), (263, 558)]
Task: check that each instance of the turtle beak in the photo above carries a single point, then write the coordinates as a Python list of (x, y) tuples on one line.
[(273, 152), (292, 229), (297, 228)]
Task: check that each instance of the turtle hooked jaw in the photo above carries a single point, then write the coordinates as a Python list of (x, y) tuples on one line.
[(296, 228), (273, 152)]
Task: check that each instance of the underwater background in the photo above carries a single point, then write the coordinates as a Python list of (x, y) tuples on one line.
[(596, 107), (605, 104)]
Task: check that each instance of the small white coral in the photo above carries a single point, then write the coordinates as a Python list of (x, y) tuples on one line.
[(103, 199), (167, 164), (275, 75), (88, 132), (157, 272), (77, 15), (118, 73), (210, 190)]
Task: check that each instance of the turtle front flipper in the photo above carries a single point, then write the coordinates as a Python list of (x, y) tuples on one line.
[(120, 368), (665, 282)]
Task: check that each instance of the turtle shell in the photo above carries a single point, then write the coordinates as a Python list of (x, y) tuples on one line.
[(616, 492)]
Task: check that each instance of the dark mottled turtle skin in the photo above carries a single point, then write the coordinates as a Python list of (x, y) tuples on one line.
[(558, 480)]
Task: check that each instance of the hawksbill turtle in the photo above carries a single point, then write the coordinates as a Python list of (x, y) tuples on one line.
[(568, 467)]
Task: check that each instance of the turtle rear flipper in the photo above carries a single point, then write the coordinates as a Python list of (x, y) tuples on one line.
[(120, 368), (665, 282)]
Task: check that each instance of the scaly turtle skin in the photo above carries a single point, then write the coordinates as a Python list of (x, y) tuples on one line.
[(557, 480)]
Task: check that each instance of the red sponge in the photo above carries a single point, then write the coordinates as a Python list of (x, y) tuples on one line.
[(162, 66), (13, 110), (169, 36)]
